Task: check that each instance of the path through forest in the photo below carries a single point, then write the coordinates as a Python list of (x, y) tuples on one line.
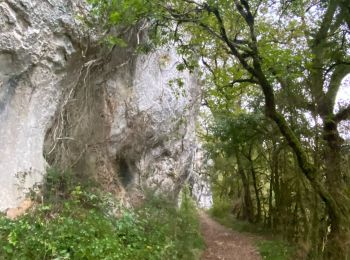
[(224, 243)]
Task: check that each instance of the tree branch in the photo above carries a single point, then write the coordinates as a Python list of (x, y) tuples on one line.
[(318, 51), (343, 114), (226, 39), (338, 75), (250, 80)]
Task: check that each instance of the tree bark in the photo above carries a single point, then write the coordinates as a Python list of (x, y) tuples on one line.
[(256, 190), (339, 236), (248, 204)]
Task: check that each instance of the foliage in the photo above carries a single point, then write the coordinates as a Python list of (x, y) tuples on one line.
[(222, 212), (119, 12), (275, 250), (221, 207), (78, 224)]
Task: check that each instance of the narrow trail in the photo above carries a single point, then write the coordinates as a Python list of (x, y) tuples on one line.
[(225, 244)]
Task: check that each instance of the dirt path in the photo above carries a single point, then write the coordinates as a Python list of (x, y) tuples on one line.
[(224, 243)]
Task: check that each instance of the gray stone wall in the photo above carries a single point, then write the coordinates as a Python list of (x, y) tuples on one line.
[(68, 102)]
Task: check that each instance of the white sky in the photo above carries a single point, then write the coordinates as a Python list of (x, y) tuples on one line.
[(343, 97)]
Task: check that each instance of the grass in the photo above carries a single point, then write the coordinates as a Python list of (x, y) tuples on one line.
[(76, 222), (275, 249), (270, 247)]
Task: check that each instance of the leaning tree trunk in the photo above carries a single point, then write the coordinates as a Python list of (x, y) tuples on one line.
[(334, 197), (338, 244)]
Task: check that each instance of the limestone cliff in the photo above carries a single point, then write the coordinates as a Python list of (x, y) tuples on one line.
[(65, 101)]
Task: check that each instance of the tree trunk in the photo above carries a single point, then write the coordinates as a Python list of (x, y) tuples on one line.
[(273, 191), (256, 190), (248, 204), (334, 194), (338, 244), (270, 219)]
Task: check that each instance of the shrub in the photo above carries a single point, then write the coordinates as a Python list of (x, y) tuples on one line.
[(74, 223), (275, 249)]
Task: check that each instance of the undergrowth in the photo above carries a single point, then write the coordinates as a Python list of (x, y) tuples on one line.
[(270, 247), (76, 221)]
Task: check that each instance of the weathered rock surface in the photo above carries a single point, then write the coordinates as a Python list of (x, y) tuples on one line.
[(199, 180), (64, 101), (36, 42)]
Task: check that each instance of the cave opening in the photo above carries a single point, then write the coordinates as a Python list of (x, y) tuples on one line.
[(125, 174)]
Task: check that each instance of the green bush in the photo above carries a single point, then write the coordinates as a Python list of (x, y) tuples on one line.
[(221, 208), (75, 223), (275, 250)]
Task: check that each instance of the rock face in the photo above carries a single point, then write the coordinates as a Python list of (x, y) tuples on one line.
[(199, 181), (108, 114), (35, 44)]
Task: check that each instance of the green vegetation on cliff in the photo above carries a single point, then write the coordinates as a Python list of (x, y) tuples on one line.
[(77, 222)]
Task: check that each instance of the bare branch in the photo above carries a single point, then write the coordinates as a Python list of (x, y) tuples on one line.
[(250, 80), (343, 114), (339, 73)]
